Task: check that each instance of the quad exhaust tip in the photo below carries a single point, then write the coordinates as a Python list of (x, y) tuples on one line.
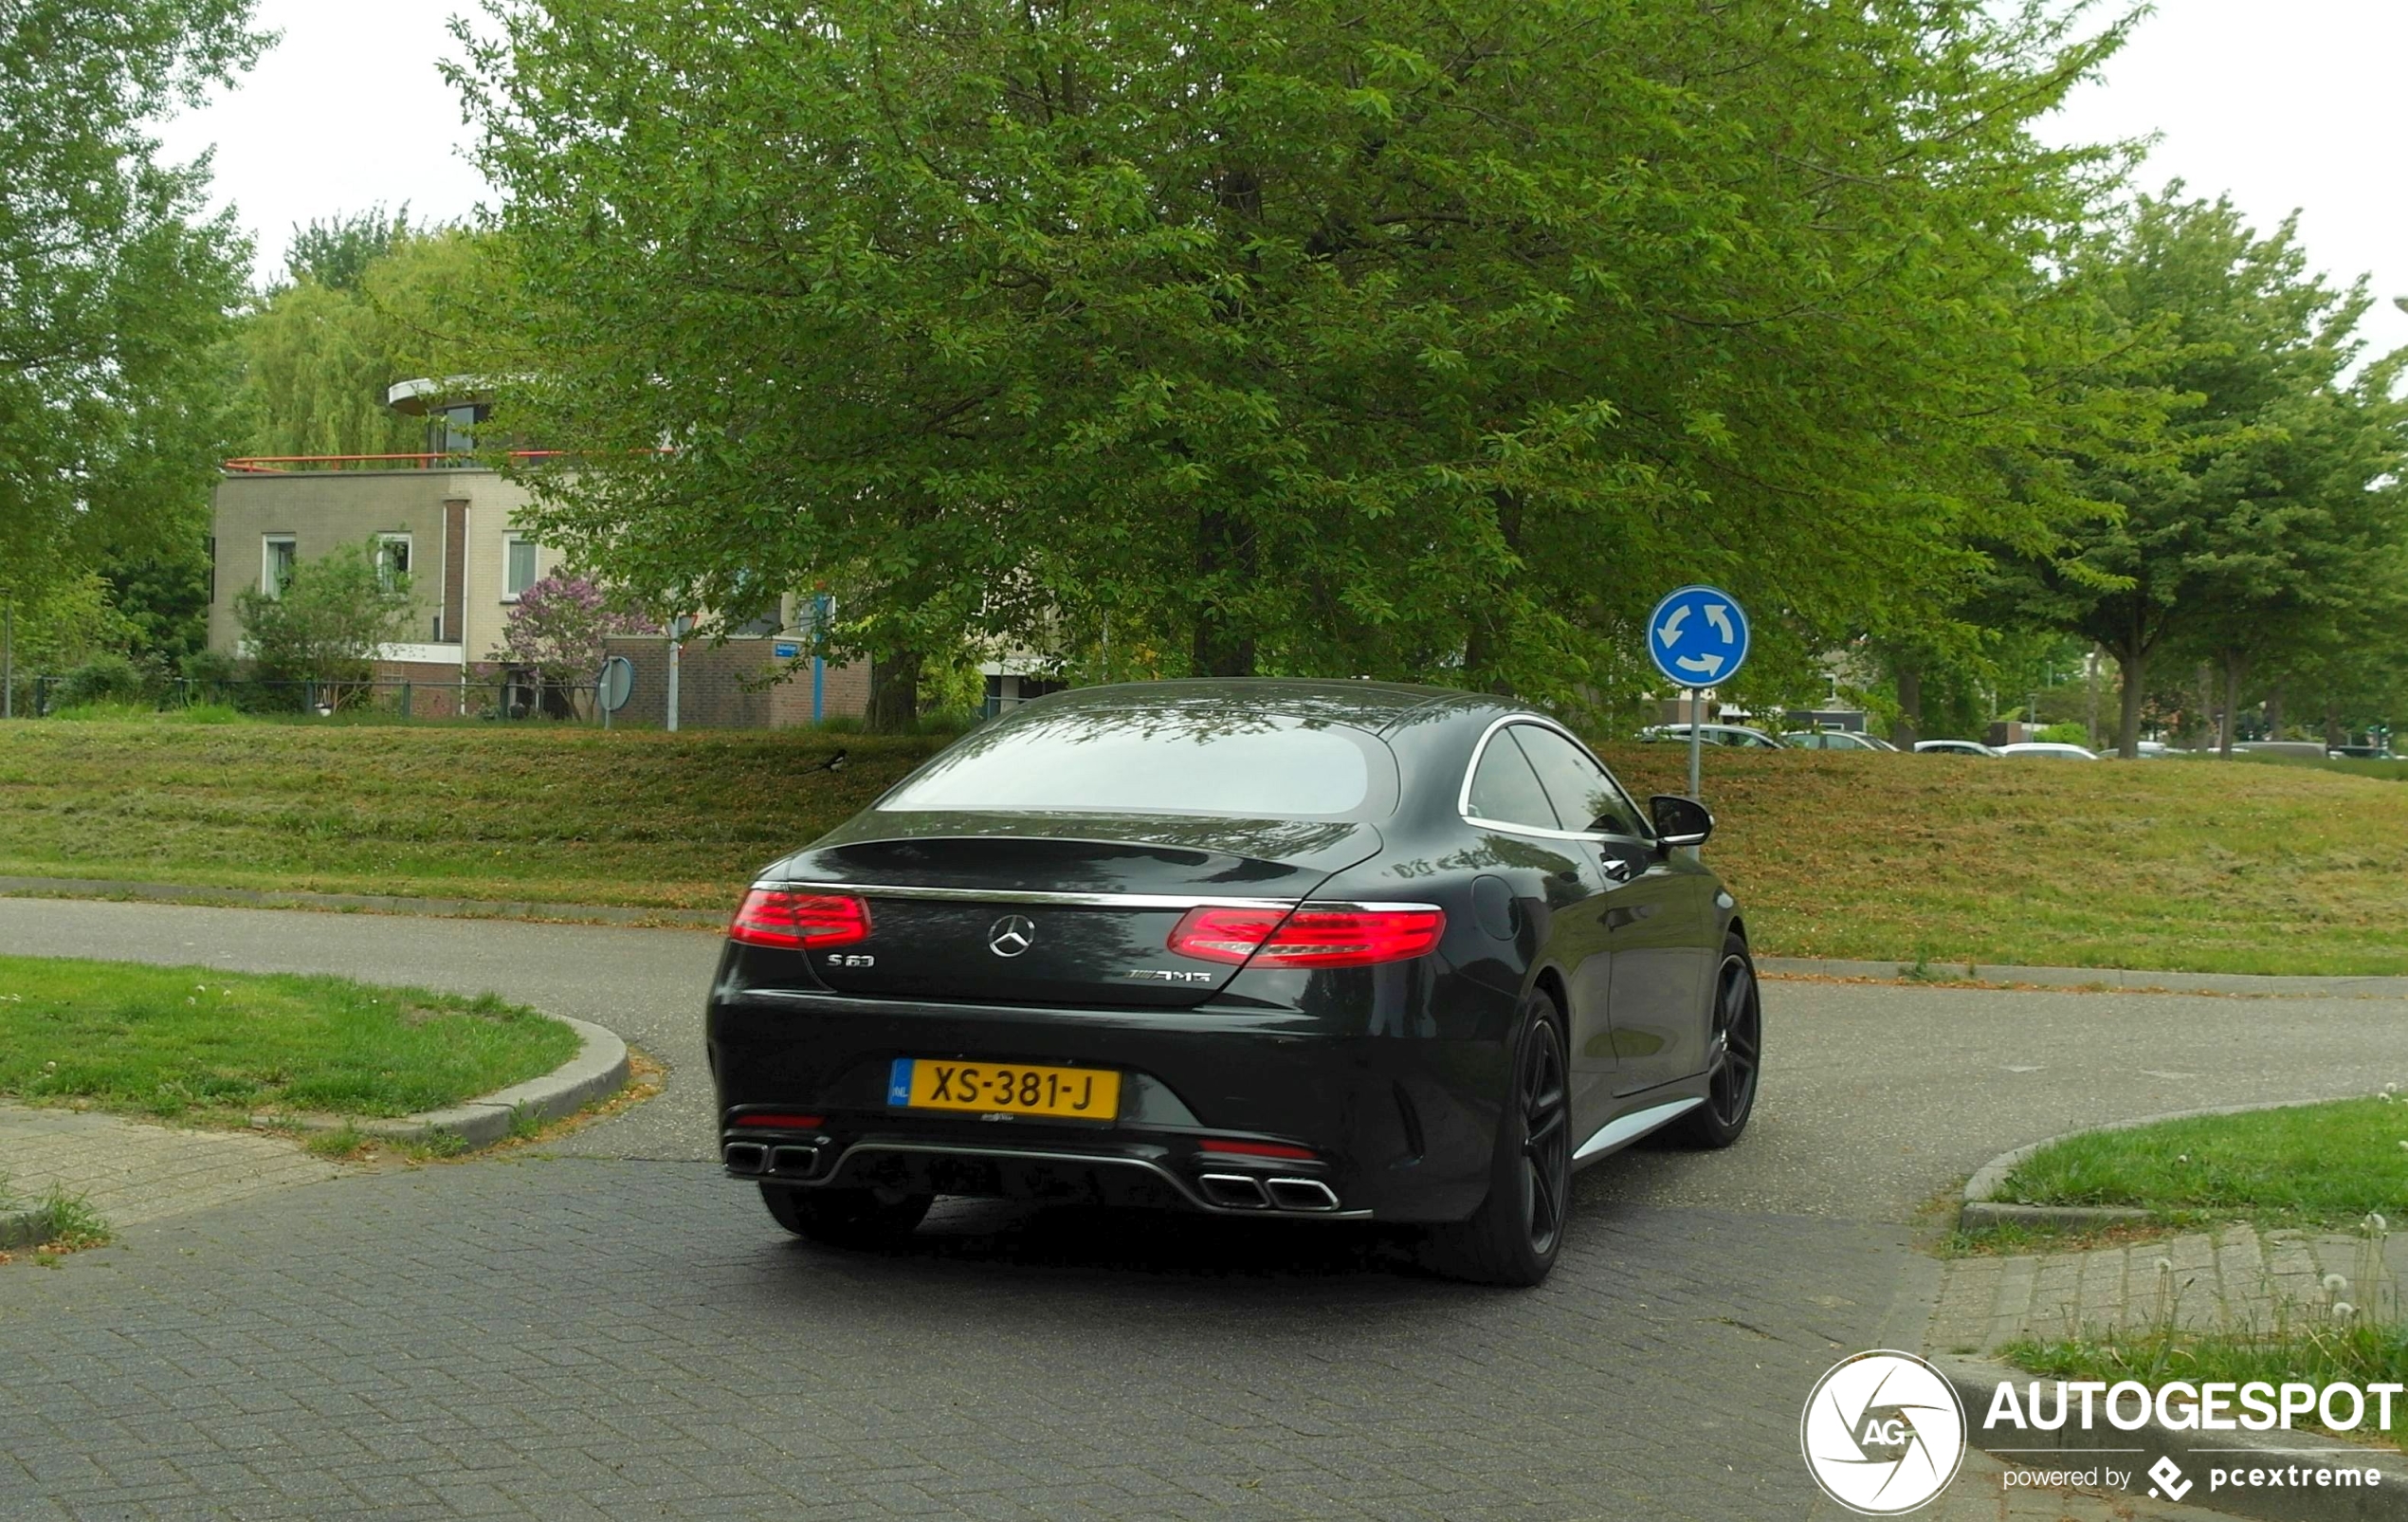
[(745, 1157), (794, 1162), (1244, 1191), (1302, 1194)]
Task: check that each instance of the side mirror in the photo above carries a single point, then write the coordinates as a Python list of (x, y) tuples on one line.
[(1679, 822)]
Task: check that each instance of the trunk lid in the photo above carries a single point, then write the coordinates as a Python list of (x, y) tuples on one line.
[(1056, 910)]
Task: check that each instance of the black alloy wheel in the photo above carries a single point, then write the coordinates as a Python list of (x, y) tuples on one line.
[(1514, 1237), (1546, 1138), (1735, 1047)]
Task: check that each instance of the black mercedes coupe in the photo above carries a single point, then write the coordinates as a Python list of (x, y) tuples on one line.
[(1269, 948)]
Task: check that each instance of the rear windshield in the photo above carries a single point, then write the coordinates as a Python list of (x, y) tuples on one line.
[(1086, 762)]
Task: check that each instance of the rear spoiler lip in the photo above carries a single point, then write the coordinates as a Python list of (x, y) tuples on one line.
[(1062, 900)]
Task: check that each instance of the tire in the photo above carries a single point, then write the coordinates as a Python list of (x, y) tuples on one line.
[(847, 1218), (1735, 1053), (1515, 1236)]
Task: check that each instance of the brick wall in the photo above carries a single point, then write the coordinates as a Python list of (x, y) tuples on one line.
[(726, 686), (433, 691)]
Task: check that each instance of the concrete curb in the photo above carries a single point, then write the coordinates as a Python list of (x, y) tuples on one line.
[(2114, 979), (1976, 1381), (1980, 1207), (475, 908), (598, 1071)]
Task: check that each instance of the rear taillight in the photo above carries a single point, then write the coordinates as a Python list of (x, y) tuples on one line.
[(791, 921), (1307, 937)]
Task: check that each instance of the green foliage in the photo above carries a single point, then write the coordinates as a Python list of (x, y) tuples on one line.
[(162, 594), (1415, 339), (336, 251), (118, 280), (371, 304), (64, 624), (103, 679), (328, 620), (2064, 734), (2269, 524)]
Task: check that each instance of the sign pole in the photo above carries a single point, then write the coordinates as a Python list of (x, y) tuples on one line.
[(1697, 738)]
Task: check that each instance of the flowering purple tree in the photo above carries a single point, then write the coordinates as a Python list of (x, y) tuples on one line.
[(557, 628)]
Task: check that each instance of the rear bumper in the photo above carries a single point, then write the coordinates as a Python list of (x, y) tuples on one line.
[(1400, 1128)]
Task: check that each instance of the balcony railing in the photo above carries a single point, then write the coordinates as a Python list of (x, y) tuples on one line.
[(268, 464)]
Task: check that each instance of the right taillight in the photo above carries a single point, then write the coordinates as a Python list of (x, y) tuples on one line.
[(1309, 937), (792, 921)]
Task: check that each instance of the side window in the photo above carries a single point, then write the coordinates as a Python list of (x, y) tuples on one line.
[(1506, 790), (1584, 796)]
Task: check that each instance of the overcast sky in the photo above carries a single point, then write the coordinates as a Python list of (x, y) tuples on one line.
[(2284, 103)]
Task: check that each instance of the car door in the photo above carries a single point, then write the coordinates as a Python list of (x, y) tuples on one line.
[(1655, 912), (1504, 797)]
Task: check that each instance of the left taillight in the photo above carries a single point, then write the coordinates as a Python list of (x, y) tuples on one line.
[(792, 921), (1309, 937)]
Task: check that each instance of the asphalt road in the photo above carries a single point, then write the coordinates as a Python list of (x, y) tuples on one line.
[(622, 1333), (1875, 1098)]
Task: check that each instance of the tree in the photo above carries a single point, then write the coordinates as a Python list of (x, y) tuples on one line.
[(2260, 484), (118, 284), (557, 626), (371, 303), (1416, 339), (327, 622), (336, 251)]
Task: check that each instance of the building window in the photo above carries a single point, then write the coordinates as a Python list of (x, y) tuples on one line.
[(276, 557), (393, 561), (518, 566)]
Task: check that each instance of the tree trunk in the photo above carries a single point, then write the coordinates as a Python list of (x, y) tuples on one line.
[(2232, 663), (2274, 713), (2090, 672), (2132, 666), (2332, 724), (894, 692), (1221, 648), (1909, 726)]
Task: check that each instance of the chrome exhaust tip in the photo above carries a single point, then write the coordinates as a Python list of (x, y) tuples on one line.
[(1302, 1194), (1235, 1191), (745, 1157), (794, 1162)]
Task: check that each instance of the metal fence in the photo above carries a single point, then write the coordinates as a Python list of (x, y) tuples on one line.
[(500, 698)]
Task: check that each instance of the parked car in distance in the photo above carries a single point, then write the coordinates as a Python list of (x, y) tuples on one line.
[(2360, 752), (1334, 951), (1715, 734), (1952, 747), (1834, 739), (2048, 747)]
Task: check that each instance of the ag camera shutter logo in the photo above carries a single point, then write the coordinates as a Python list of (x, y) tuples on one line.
[(1883, 1432)]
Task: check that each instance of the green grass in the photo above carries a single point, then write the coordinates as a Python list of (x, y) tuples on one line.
[(200, 1044), (2359, 1351), (1909, 859), (2330, 1163)]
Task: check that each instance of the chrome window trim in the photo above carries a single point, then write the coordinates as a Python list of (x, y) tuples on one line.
[(1106, 901), (1462, 795)]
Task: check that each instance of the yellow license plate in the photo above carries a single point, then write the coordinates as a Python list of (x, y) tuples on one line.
[(1004, 1089)]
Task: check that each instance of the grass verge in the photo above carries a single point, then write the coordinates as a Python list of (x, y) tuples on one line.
[(1931, 860), (2302, 1165), (199, 1044)]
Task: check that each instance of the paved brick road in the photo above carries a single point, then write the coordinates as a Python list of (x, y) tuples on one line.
[(575, 1338), (622, 1333)]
